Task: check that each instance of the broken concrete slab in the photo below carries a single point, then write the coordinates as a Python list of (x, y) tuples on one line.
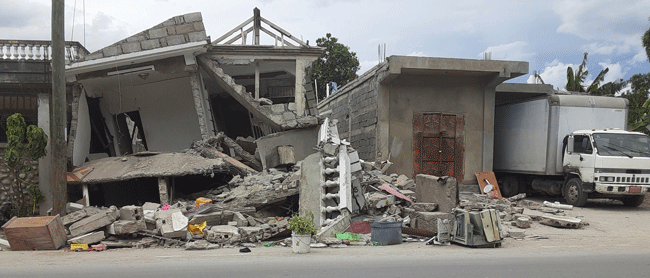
[(339, 225), (200, 245), (123, 227), (523, 222), (219, 217), (561, 221), (426, 207), (429, 220), (440, 190), (4, 244), (94, 222), (70, 218), (89, 238), (516, 233)]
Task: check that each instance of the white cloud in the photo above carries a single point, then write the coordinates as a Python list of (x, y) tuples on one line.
[(512, 51), (418, 54), (554, 74), (616, 72)]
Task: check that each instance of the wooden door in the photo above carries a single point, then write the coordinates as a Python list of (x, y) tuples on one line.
[(438, 144)]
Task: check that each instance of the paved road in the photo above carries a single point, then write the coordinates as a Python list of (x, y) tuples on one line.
[(351, 262)]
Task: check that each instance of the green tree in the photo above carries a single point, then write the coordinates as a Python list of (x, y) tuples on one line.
[(24, 144), (575, 81), (639, 104), (338, 64)]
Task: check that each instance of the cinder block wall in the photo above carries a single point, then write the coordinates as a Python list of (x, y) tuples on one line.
[(7, 179), (355, 108)]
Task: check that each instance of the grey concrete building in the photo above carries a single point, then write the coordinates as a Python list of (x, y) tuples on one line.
[(425, 115)]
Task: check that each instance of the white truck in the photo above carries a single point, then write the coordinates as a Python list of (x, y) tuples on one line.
[(571, 145)]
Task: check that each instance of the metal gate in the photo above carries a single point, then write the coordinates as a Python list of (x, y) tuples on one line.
[(438, 144)]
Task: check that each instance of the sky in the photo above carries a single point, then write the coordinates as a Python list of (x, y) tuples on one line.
[(550, 35)]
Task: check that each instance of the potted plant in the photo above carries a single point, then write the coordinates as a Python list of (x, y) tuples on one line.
[(303, 228)]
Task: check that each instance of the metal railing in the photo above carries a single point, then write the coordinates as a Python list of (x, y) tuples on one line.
[(38, 50)]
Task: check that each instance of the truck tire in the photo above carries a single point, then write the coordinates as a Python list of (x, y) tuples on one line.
[(509, 186), (633, 201), (574, 194)]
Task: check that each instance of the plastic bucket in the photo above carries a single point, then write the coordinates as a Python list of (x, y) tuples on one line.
[(300, 243), (386, 233)]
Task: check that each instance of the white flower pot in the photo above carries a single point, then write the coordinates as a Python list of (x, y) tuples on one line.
[(300, 243)]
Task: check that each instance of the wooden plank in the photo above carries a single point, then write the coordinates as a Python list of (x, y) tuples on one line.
[(233, 30), (488, 177)]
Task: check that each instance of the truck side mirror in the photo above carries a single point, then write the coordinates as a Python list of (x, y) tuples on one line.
[(569, 148)]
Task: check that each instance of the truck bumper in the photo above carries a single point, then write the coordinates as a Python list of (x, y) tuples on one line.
[(622, 189)]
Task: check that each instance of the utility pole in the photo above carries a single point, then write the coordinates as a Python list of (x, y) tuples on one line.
[(58, 179)]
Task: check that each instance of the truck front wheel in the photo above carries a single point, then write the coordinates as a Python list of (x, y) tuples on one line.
[(633, 201), (574, 194)]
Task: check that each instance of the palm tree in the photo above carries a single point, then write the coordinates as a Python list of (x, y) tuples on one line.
[(574, 81)]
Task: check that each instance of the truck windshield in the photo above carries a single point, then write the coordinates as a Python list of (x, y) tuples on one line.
[(630, 145)]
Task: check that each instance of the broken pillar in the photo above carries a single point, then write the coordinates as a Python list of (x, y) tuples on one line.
[(310, 182), (89, 238), (440, 190), (561, 221), (94, 222), (523, 222), (338, 225)]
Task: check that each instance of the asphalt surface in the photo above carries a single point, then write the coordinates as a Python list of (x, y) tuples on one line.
[(361, 262)]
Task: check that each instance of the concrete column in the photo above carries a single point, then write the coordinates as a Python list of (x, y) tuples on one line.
[(300, 99), (257, 80), (488, 128), (195, 82), (45, 163)]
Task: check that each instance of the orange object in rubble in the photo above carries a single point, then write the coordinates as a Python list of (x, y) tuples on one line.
[(202, 200)]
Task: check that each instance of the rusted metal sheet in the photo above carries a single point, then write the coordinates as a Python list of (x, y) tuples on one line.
[(438, 144)]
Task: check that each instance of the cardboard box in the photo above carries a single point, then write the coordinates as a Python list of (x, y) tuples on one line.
[(35, 233)]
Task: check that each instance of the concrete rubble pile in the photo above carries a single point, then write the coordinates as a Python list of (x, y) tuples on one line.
[(520, 214)]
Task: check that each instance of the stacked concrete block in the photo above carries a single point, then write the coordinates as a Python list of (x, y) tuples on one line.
[(251, 234), (89, 238), (222, 234), (94, 222), (174, 31)]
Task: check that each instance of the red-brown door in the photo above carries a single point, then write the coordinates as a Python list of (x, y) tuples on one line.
[(438, 145)]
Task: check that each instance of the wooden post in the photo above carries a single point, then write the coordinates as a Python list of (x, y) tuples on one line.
[(58, 111), (256, 26), (86, 195)]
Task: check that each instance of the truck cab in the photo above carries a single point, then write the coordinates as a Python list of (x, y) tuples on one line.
[(606, 163)]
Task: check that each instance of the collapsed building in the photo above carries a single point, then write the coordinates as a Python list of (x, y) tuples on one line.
[(166, 87)]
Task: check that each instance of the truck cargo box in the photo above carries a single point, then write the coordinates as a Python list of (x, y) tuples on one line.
[(528, 135)]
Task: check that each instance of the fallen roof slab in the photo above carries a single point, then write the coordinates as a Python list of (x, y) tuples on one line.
[(122, 168)]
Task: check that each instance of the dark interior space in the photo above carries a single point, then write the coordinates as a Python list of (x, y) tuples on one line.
[(188, 187), (231, 116), (101, 140), (122, 193), (126, 134)]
